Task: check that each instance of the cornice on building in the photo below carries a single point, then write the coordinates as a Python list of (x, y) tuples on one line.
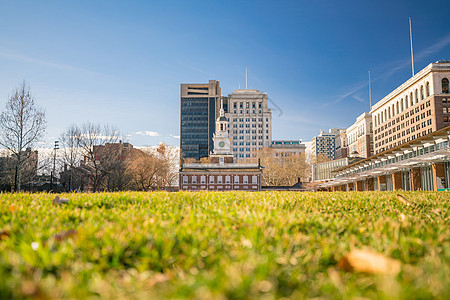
[(433, 67)]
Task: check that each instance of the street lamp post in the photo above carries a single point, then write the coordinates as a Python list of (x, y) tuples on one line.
[(54, 161)]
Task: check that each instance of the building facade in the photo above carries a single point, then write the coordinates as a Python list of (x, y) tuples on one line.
[(359, 136), (221, 174), (250, 122), (415, 109), (341, 144), (325, 143), (420, 164), (198, 109), (288, 147)]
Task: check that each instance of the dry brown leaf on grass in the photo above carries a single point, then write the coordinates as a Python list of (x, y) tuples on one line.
[(369, 262), (4, 234), (59, 237), (64, 235), (403, 200), (58, 200)]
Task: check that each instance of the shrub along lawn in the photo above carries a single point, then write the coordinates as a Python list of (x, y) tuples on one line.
[(212, 245)]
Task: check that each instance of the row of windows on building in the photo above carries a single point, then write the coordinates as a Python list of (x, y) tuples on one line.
[(244, 149), (249, 119), (220, 179), (405, 102), (247, 143), (251, 104), (361, 131), (248, 137), (248, 125), (247, 112), (241, 131), (405, 140), (383, 134)]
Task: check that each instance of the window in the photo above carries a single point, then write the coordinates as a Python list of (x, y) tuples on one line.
[(245, 179), (411, 98), (254, 179), (445, 86), (406, 102), (185, 179), (211, 179), (203, 179), (227, 179), (421, 92), (428, 89), (236, 179), (219, 179)]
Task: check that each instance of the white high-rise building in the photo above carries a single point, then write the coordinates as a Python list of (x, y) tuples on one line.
[(250, 122), (325, 144)]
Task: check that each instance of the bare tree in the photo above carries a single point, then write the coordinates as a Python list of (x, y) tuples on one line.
[(70, 153), (153, 170), (283, 169), (92, 140), (21, 125), (144, 171)]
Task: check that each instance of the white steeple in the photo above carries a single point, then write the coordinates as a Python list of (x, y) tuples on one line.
[(222, 141)]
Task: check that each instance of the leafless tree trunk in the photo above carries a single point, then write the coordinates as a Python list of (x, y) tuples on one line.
[(89, 139), (70, 150), (21, 125)]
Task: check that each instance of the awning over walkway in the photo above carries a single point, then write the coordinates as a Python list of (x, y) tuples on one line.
[(432, 148)]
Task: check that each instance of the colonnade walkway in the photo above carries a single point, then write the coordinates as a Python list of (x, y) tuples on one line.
[(421, 164)]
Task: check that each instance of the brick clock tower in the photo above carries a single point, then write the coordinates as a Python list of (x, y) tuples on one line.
[(221, 173), (222, 141)]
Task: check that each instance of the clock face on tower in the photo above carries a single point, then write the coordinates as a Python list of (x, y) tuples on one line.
[(221, 144)]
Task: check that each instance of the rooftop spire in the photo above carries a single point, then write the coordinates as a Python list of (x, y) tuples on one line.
[(221, 112)]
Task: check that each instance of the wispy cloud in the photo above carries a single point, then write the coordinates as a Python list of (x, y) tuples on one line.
[(8, 54), (100, 137), (148, 133), (350, 91), (175, 136), (390, 68), (358, 98)]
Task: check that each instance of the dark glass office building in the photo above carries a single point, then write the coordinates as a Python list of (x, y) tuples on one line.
[(198, 108)]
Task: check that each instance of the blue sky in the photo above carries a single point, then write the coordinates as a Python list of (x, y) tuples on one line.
[(122, 62)]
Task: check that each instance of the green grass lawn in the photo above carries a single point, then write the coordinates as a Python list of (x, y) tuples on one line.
[(233, 245)]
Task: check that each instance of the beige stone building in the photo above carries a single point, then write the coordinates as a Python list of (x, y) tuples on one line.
[(250, 122), (359, 136), (288, 147), (415, 109), (341, 144)]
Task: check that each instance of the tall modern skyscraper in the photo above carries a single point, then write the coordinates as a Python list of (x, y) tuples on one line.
[(200, 103), (250, 122)]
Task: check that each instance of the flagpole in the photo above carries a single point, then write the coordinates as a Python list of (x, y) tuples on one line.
[(412, 54)]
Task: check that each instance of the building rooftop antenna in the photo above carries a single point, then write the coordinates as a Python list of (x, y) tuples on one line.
[(245, 77), (412, 54), (370, 94)]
